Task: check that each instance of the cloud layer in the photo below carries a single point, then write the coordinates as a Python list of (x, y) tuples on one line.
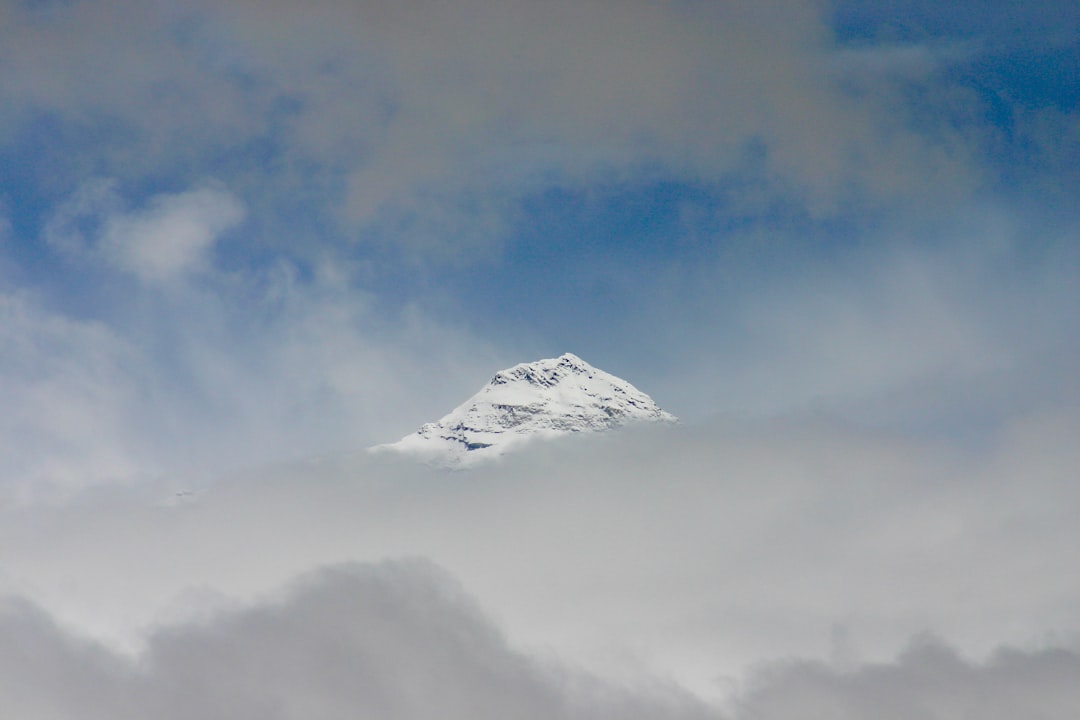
[(401, 640), (391, 641), (928, 681), (686, 554)]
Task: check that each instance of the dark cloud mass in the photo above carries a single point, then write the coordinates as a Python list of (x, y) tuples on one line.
[(928, 681), (397, 640)]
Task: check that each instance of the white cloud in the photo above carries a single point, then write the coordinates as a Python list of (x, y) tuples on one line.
[(173, 234), (168, 239), (913, 62), (67, 388), (170, 367), (940, 334)]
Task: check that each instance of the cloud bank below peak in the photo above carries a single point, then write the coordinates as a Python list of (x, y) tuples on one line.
[(401, 640), (692, 553), (396, 640)]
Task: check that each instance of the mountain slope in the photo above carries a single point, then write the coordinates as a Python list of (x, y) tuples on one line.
[(546, 398)]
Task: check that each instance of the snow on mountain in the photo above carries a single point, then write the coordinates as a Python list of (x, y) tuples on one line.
[(541, 399)]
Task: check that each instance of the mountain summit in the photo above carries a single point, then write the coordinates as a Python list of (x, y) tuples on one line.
[(541, 399)]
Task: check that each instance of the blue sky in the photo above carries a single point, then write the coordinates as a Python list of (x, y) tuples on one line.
[(239, 231)]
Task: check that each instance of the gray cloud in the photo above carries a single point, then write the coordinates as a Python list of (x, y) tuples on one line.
[(405, 114), (688, 553), (928, 681), (403, 640), (391, 641)]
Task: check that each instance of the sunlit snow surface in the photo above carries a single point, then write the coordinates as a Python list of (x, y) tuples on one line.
[(546, 398)]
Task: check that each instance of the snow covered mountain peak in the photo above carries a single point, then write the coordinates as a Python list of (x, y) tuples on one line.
[(545, 398)]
